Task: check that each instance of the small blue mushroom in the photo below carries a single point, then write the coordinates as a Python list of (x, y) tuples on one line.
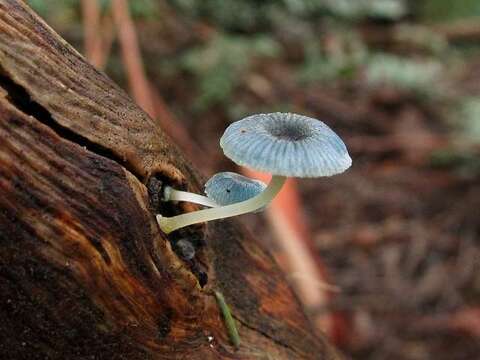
[(227, 188), (284, 144)]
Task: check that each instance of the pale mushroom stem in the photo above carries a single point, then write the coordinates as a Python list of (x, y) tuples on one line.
[(169, 224), (170, 194)]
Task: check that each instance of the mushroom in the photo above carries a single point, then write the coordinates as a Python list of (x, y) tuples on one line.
[(283, 144), (223, 188), (227, 188)]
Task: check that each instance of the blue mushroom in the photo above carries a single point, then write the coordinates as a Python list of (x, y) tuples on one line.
[(227, 188), (286, 144), (283, 144), (221, 189)]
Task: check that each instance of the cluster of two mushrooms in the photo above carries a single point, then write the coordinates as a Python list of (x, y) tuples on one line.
[(282, 144)]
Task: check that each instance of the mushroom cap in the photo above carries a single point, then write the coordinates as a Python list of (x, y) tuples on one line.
[(286, 144), (227, 188)]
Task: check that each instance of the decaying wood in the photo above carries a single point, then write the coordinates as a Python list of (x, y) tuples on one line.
[(84, 270)]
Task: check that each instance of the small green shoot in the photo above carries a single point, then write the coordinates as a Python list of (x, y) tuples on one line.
[(229, 320)]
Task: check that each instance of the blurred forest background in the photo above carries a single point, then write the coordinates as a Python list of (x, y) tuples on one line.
[(396, 240)]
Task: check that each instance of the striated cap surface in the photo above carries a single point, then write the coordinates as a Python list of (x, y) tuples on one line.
[(286, 144), (227, 188)]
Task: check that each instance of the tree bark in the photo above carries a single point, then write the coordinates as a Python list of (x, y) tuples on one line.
[(84, 270)]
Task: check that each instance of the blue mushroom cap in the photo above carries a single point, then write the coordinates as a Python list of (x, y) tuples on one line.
[(286, 144), (227, 188)]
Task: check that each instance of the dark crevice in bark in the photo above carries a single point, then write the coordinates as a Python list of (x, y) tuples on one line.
[(186, 242), (21, 99)]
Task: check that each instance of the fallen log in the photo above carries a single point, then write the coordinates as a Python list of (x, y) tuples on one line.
[(85, 273)]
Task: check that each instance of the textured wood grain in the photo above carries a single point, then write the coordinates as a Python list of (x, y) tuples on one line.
[(84, 270)]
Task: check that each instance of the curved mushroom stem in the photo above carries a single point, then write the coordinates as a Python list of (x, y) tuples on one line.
[(171, 194), (169, 224)]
